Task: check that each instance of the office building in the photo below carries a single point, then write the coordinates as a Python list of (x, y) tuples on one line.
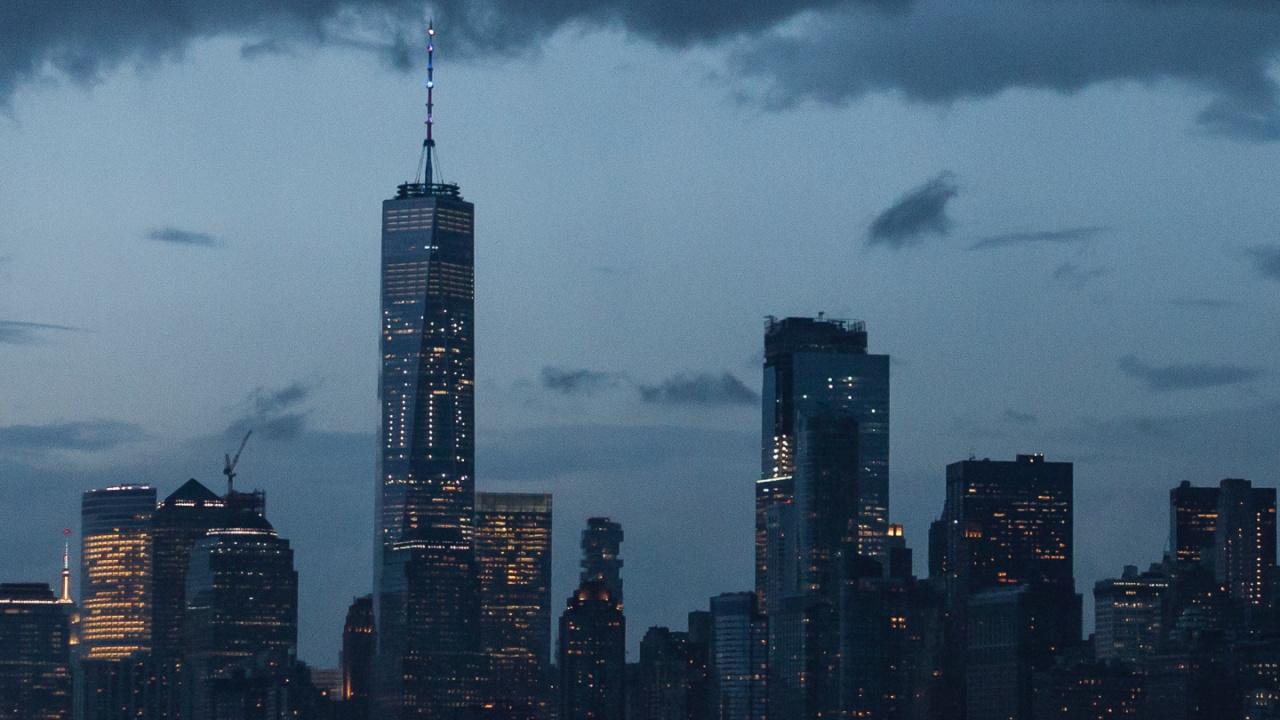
[(1193, 520), (358, 644), (739, 658), (1129, 616), (241, 610), (698, 670), (184, 517), (662, 685), (601, 562), (35, 654), (513, 559), (1245, 540), (115, 572), (818, 370), (592, 655)]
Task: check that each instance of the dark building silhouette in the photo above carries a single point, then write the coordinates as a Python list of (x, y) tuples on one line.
[(1129, 617), (426, 396), (1089, 692), (1245, 540), (661, 691), (820, 367), (601, 563), (358, 644), (35, 654), (592, 656), (698, 668), (241, 609), (739, 658), (1193, 520), (1009, 558), (513, 559), (179, 521)]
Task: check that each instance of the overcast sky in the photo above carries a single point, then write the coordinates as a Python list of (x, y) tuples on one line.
[(1058, 217)]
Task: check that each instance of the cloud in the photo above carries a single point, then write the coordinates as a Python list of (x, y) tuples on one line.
[(923, 211), (1048, 237), (940, 51), (88, 436), (577, 382), (1266, 260), (701, 389), (13, 332), (1019, 418), (175, 236), (1077, 276), (1163, 378), (272, 414)]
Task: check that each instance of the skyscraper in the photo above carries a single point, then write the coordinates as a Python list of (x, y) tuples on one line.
[(600, 555), (241, 606), (426, 390), (1245, 539), (592, 655), (818, 371), (1193, 519), (739, 658), (357, 656), (115, 572), (513, 558), (35, 655)]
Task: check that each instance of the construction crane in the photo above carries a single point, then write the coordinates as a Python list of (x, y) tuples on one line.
[(230, 470)]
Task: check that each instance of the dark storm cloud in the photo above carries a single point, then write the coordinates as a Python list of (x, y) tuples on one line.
[(921, 212), (1019, 418), (934, 51), (1077, 276), (1266, 260), (273, 414), (1069, 236), (577, 382), (174, 236), (13, 332), (940, 51), (700, 389), (90, 435), (1163, 378)]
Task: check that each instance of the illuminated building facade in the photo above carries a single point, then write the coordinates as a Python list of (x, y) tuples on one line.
[(739, 658), (1129, 616), (1245, 539), (592, 655), (513, 559), (179, 521), (1193, 521), (358, 643), (241, 607), (601, 543), (35, 654), (812, 368), (115, 572)]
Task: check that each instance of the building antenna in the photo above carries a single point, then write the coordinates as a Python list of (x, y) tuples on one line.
[(230, 470), (66, 568), (429, 145)]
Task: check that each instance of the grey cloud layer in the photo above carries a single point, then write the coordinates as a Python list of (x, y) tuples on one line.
[(1162, 378), (174, 236), (273, 414), (1050, 237), (89, 435), (13, 332), (578, 381), (932, 51), (1266, 260), (700, 389)]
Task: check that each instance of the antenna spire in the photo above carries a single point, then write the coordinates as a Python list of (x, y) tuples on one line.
[(429, 144), (66, 568)]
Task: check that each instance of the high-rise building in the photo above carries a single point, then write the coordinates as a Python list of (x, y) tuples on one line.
[(35, 654), (358, 643), (1129, 616), (115, 572), (241, 610), (426, 398), (179, 521), (739, 656), (513, 559), (662, 688), (601, 563), (1193, 518), (1245, 539), (698, 672), (816, 369), (592, 655)]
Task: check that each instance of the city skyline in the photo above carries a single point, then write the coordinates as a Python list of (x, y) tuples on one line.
[(1146, 337)]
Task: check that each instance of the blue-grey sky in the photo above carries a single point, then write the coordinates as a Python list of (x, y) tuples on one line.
[(1058, 217)]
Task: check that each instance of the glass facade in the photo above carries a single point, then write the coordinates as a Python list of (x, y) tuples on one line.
[(513, 558), (115, 572), (35, 654), (739, 658), (592, 656)]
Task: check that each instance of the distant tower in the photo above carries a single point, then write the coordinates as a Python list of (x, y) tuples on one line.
[(818, 371), (1245, 539), (426, 395), (35, 653), (601, 542), (1193, 521), (115, 572), (739, 656), (513, 558), (357, 656), (592, 655)]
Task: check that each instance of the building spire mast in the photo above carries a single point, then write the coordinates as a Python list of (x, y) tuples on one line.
[(429, 144), (66, 569)]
